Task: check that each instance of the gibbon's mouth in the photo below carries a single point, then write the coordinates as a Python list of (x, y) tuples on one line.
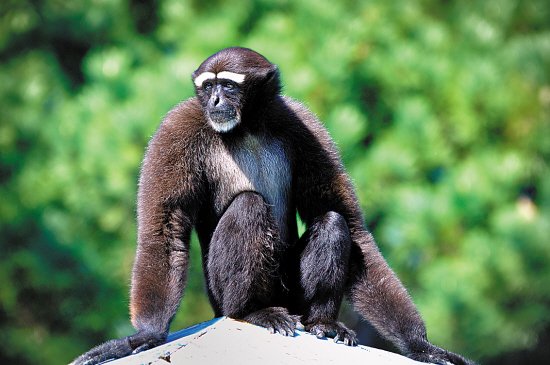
[(223, 115), (223, 120)]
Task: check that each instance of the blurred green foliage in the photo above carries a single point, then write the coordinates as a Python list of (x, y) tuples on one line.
[(441, 110)]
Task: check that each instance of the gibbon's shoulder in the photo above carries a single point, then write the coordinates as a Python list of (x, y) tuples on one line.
[(309, 125), (186, 117), (181, 136)]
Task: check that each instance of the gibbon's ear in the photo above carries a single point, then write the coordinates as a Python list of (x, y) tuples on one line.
[(273, 82), (262, 84)]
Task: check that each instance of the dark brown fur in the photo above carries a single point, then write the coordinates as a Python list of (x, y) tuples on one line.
[(240, 190)]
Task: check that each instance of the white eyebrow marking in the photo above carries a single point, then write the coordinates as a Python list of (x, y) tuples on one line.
[(235, 77), (203, 77), (238, 78)]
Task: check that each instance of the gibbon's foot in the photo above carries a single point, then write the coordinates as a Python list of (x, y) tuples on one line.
[(337, 330), (275, 319), (436, 355)]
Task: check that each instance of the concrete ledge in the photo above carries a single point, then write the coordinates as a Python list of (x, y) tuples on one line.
[(227, 341)]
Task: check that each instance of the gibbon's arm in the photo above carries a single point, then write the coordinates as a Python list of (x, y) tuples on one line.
[(168, 200), (167, 196), (373, 289)]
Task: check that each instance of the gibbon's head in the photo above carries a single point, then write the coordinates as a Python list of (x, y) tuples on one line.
[(234, 83)]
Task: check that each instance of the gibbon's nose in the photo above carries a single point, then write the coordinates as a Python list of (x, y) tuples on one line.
[(216, 98)]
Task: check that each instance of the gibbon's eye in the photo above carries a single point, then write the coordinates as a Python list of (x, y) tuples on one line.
[(229, 85), (207, 87)]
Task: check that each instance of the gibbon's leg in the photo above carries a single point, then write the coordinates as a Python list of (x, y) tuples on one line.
[(323, 252), (243, 265)]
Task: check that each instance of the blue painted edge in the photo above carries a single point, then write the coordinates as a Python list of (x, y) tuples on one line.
[(192, 330)]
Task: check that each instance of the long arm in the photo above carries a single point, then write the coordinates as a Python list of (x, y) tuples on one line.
[(373, 289), (168, 196), (169, 191), (160, 267)]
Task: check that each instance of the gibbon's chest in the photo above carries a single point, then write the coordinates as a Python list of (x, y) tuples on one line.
[(255, 164)]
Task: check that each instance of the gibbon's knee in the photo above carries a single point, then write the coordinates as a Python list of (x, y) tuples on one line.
[(325, 248), (331, 230), (248, 219)]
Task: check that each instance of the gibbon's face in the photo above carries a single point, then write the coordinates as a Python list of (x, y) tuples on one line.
[(221, 95)]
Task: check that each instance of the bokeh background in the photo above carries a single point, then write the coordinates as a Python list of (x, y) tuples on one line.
[(441, 110)]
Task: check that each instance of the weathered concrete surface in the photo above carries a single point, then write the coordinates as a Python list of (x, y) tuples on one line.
[(226, 341)]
